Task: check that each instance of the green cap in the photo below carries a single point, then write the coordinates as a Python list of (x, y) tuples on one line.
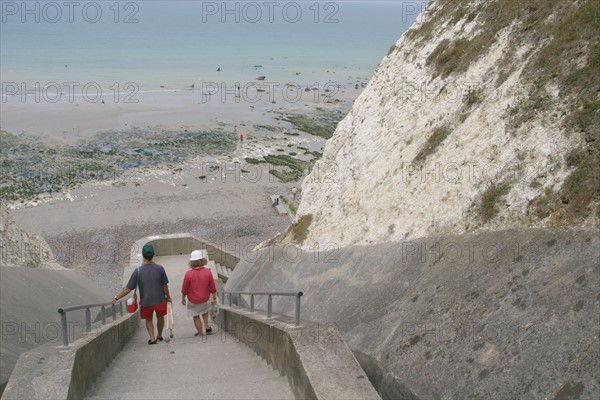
[(148, 251)]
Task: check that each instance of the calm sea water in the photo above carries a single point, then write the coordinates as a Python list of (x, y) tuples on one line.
[(179, 43)]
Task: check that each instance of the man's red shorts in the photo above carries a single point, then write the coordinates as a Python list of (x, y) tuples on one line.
[(146, 312)]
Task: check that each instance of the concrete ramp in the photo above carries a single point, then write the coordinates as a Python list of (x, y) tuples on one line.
[(188, 367)]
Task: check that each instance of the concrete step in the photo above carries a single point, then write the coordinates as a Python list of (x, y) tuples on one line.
[(222, 272), (205, 369), (194, 385), (213, 268), (249, 366)]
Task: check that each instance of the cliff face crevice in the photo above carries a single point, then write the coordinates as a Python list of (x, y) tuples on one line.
[(483, 116)]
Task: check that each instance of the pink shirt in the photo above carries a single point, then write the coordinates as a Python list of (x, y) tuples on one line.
[(198, 284)]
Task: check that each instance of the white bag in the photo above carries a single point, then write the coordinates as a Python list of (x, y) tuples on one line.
[(169, 321)]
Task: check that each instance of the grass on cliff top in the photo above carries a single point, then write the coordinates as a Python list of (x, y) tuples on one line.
[(297, 232), (299, 229), (574, 35), (575, 38), (565, 53), (489, 201), (434, 141), (492, 16), (434, 16), (293, 207), (449, 57), (578, 197)]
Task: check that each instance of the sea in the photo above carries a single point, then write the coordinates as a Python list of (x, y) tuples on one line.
[(166, 45)]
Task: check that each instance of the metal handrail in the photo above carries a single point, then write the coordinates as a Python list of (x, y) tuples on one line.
[(88, 316), (298, 295)]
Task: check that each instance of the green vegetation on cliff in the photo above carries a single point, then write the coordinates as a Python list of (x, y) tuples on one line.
[(564, 37)]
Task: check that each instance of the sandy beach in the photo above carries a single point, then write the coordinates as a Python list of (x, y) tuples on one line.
[(61, 114), (219, 197)]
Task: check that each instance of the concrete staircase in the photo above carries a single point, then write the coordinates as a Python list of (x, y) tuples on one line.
[(219, 271), (213, 367), (188, 367)]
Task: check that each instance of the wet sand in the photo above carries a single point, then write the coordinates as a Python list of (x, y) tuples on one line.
[(73, 119), (219, 198)]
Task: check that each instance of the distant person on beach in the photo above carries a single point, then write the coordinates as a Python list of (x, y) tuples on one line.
[(198, 286), (294, 193), (153, 285)]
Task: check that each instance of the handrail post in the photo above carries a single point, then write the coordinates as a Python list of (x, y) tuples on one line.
[(229, 299), (239, 303), (103, 315), (298, 309), (270, 306), (121, 308), (65, 330), (251, 303), (114, 311), (88, 319)]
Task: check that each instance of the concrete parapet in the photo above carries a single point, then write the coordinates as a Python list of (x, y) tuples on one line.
[(58, 372), (183, 243), (313, 357)]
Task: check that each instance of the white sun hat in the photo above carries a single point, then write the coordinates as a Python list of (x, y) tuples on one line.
[(197, 255)]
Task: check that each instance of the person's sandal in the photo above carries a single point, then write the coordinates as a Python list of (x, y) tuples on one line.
[(159, 339), (209, 331), (151, 342), (197, 334)]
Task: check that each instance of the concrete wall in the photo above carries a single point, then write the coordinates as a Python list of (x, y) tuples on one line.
[(177, 244), (30, 298), (315, 359), (495, 315), (58, 372)]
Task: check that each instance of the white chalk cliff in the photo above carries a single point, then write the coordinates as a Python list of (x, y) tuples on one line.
[(449, 139), (19, 248)]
